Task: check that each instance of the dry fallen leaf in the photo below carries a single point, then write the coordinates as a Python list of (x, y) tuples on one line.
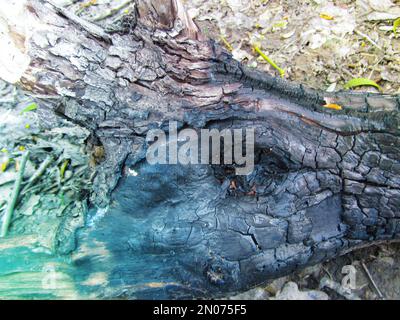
[(326, 16), (333, 106)]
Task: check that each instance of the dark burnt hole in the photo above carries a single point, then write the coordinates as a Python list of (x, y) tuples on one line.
[(47, 149), (271, 167)]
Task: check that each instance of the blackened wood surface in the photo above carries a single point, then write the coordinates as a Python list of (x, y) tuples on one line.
[(325, 180)]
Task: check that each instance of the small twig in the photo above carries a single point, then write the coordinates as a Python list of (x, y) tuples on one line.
[(226, 43), (327, 272), (37, 174), (91, 28), (111, 12), (14, 197), (33, 189), (2, 205), (373, 68), (372, 281), (7, 100), (348, 73), (52, 186), (368, 39)]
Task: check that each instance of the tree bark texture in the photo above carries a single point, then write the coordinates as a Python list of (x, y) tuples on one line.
[(325, 181)]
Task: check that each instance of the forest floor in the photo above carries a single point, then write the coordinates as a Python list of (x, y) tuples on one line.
[(322, 44)]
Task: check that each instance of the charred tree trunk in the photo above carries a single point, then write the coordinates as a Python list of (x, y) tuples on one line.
[(325, 181)]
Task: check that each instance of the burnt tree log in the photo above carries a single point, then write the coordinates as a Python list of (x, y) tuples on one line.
[(325, 181)]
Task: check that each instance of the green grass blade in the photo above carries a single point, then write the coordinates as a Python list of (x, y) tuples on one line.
[(359, 82)]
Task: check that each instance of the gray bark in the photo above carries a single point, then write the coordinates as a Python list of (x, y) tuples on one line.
[(325, 182)]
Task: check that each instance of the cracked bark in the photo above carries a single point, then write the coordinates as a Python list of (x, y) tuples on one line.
[(325, 181)]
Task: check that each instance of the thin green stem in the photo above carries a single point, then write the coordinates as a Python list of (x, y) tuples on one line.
[(269, 60), (14, 197)]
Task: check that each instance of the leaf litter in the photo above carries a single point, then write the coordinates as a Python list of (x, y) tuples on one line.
[(320, 43), (56, 178)]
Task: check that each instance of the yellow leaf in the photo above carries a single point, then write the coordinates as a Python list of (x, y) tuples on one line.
[(359, 82), (280, 24), (333, 106), (88, 4), (396, 24), (4, 165), (30, 107), (63, 168), (326, 16)]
